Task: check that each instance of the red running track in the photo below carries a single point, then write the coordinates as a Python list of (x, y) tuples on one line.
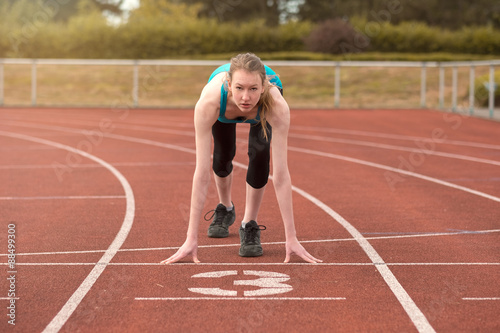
[(402, 206)]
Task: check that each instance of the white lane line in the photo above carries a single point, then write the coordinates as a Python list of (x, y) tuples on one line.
[(116, 136), (150, 128), (307, 151), (430, 152), (445, 264), (405, 300), (436, 234), (82, 197), (70, 306), (307, 265), (395, 136), (229, 298), (404, 172), (121, 164), (481, 298), (415, 314)]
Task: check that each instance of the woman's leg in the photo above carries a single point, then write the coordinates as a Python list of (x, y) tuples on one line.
[(224, 151), (253, 201), (258, 170)]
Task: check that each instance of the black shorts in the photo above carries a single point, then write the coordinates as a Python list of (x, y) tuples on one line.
[(258, 152)]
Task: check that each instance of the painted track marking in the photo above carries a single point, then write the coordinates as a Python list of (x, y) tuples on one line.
[(430, 152), (398, 236), (405, 300), (395, 136), (150, 127), (297, 149), (240, 298), (258, 264), (70, 197), (70, 306), (83, 165), (384, 264), (481, 298), (388, 168), (410, 307), (415, 314), (270, 283)]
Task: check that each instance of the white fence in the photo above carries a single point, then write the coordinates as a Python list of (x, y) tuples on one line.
[(491, 86)]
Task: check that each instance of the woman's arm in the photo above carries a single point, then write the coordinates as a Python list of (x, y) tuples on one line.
[(205, 115), (280, 122)]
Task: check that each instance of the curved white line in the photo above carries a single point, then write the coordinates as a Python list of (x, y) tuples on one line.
[(259, 264), (63, 315), (430, 152), (394, 136), (332, 240), (147, 127), (404, 172), (405, 300), (318, 153), (415, 314)]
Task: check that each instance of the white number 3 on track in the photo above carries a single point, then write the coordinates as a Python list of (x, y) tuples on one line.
[(270, 283)]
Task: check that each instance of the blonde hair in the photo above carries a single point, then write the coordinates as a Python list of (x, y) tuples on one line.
[(251, 63)]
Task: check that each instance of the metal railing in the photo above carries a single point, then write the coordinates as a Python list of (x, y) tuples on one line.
[(491, 86)]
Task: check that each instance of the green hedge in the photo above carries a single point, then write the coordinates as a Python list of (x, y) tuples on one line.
[(481, 92), (417, 37), (89, 36)]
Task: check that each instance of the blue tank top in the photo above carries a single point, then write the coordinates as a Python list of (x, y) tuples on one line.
[(223, 95)]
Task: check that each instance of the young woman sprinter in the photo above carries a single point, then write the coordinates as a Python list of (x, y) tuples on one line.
[(244, 91)]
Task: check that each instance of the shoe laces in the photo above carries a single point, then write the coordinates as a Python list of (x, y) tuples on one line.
[(218, 213), (251, 233)]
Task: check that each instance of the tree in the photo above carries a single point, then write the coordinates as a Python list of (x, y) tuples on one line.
[(451, 14), (240, 10), (173, 11), (62, 11)]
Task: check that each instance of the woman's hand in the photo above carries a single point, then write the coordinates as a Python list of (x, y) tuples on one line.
[(190, 247), (294, 247)]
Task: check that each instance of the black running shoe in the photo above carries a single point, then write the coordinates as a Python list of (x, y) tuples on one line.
[(250, 240), (222, 219)]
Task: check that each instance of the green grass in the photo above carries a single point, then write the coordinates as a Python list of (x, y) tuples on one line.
[(365, 56), (180, 86)]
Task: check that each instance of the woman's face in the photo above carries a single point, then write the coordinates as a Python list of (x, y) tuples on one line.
[(246, 88)]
